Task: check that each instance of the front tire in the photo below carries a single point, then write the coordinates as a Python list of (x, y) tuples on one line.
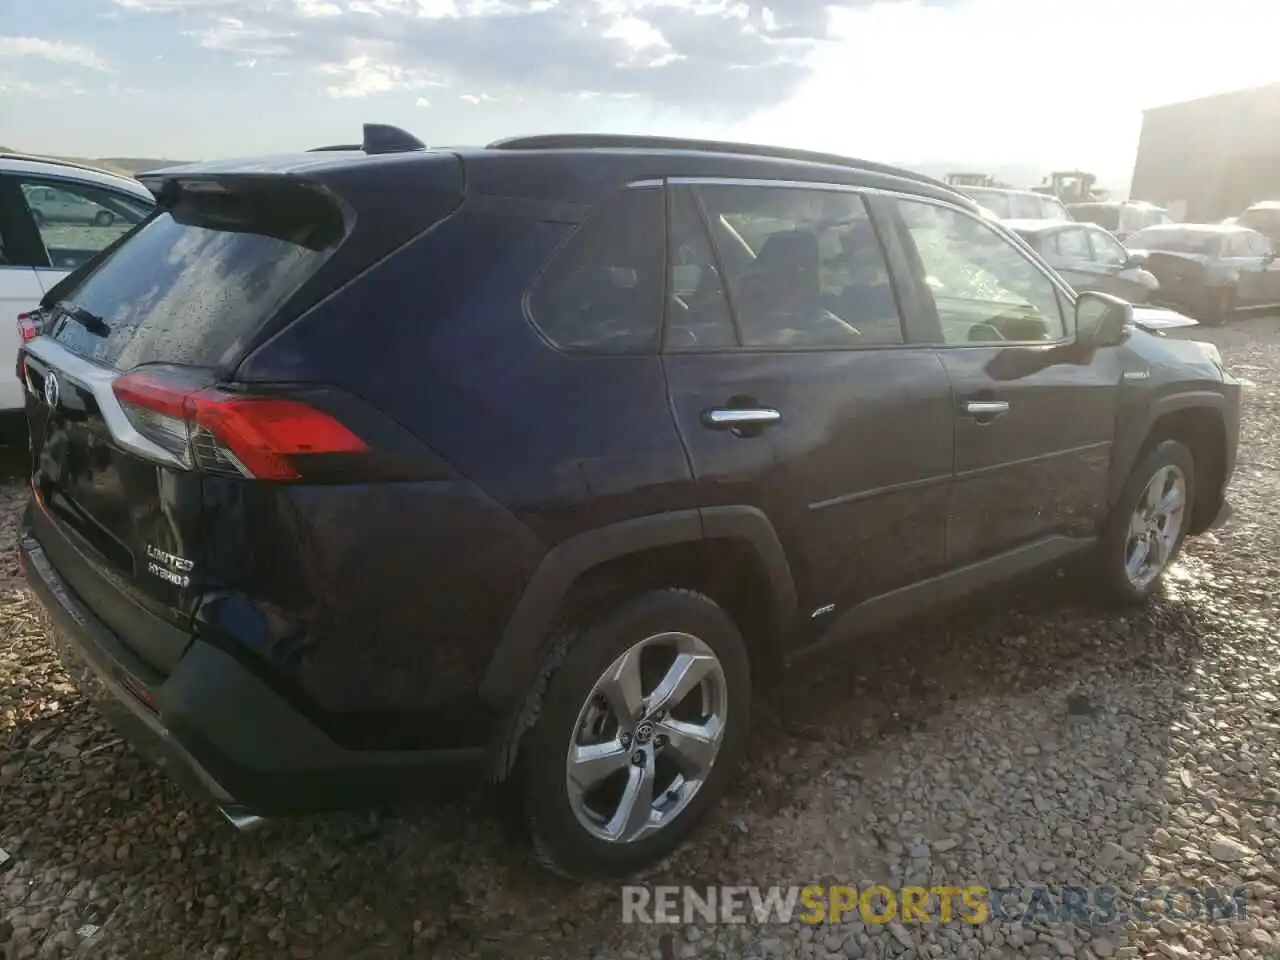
[(1148, 524), (643, 721)]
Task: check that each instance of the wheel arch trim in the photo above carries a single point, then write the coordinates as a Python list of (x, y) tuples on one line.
[(517, 659)]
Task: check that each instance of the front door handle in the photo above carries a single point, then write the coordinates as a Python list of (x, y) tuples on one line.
[(735, 418), (986, 409)]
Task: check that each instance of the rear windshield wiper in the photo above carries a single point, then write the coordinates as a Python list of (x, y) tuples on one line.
[(87, 319)]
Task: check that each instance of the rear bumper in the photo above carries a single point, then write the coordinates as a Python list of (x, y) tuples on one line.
[(216, 727)]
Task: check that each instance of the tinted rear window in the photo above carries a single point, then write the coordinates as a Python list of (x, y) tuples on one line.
[(997, 203), (1108, 218), (1264, 221), (195, 281), (1176, 241)]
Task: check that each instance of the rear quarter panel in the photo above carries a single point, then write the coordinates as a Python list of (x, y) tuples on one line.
[(411, 585)]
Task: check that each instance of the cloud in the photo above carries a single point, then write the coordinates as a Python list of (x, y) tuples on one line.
[(720, 57), (55, 51), (362, 76)]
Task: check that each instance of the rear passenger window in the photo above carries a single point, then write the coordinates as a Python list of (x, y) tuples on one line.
[(603, 290), (697, 311), (804, 268)]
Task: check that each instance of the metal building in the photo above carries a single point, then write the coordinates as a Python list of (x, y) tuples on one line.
[(1210, 158)]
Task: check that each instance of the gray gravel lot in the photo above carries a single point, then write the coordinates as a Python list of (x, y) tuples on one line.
[(1027, 739)]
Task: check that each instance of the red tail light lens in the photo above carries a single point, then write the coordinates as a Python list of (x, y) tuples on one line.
[(27, 328), (220, 432)]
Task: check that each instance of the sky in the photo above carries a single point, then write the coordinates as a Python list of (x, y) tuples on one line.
[(1045, 83)]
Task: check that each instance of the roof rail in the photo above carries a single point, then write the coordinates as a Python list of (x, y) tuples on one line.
[(379, 138), (622, 141), (60, 162)]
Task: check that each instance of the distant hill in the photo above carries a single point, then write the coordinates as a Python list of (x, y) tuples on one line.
[(124, 166)]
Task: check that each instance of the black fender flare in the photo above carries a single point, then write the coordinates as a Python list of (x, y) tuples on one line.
[(517, 659), (1130, 445)]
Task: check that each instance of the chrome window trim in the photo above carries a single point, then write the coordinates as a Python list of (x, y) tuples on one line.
[(1019, 245), (98, 381), (1001, 232)]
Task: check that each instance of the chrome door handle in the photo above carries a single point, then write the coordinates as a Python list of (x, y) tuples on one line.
[(728, 418), (986, 408)]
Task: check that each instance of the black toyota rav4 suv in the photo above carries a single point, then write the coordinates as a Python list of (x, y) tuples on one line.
[(354, 463)]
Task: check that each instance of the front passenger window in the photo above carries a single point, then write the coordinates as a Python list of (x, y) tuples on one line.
[(984, 287)]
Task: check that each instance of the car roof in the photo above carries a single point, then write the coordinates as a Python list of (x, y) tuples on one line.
[(1013, 190), (1199, 228), (66, 170), (1040, 225), (580, 167), (1107, 204)]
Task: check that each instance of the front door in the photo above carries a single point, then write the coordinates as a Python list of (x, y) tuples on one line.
[(1116, 275), (1033, 419), (1067, 251), (795, 393)]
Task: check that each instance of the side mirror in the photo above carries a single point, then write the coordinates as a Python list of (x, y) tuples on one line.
[(1136, 259), (1101, 319)]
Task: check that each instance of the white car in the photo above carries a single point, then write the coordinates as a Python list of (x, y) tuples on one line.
[(54, 215)]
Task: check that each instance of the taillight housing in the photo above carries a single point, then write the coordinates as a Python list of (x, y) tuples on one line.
[(216, 431)]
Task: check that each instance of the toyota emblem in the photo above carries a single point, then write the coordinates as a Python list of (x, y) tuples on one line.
[(51, 389)]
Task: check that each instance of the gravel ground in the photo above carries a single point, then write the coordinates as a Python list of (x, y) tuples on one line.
[(1027, 739)]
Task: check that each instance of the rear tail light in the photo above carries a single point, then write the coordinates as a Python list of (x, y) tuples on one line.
[(215, 431), (27, 328)]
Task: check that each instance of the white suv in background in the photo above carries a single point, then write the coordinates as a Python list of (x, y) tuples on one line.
[(54, 215)]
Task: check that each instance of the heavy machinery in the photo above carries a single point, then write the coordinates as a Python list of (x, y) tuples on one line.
[(1072, 186)]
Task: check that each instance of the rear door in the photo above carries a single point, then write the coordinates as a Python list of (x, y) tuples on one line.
[(1269, 282), (1239, 254), (20, 289), (1033, 422), (794, 389), (119, 431)]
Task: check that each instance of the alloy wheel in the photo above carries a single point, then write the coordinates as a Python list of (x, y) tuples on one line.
[(646, 737), (1155, 526)]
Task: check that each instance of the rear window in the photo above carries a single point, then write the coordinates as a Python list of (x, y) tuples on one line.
[(194, 282), (993, 200), (1053, 209), (1264, 221), (1108, 218), (1176, 241)]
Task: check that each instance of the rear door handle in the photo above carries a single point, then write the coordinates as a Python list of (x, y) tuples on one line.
[(733, 418), (986, 408)]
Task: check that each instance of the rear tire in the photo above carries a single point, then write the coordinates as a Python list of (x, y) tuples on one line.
[(104, 218), (682, 751), (1145, 530)]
